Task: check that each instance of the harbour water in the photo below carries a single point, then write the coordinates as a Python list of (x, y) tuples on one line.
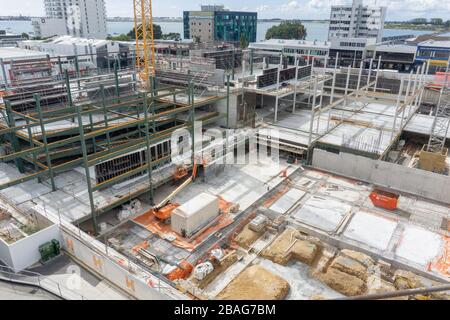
[(315, 30)]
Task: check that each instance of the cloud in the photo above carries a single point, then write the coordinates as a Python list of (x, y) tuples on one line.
[(291, 6), (263, 8)]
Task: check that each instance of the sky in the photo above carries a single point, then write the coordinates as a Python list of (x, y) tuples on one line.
[(288, 9)]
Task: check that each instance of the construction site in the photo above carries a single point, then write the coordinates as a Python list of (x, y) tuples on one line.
[(131, 163)]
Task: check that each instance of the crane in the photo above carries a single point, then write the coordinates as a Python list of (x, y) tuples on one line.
[(145, 42)]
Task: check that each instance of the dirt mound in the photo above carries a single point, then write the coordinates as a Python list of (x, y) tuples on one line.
[(287, 246), (360, 257), (350, 266), (256, 283), (247, 237), (406, 280), (344, 283)]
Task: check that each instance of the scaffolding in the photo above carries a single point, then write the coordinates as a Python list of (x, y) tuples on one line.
[(441, 123)]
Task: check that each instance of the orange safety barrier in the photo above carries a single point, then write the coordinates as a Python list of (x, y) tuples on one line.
[(440, 79), (442, 264)]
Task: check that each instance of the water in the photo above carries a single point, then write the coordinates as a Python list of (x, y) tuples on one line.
[(315, 30)]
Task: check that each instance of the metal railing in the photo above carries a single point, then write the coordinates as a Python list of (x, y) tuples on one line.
[(38, 280)]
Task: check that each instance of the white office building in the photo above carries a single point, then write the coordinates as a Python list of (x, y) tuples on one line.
[(78, 18), (357, 21)]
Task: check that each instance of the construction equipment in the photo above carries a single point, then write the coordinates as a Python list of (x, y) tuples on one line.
[(145, 42), (384, 199), (180, 173), (163, 211), (183, 271)]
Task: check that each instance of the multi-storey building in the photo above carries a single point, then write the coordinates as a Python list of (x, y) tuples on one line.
[(357, 21), (79, 18), (215, 23)]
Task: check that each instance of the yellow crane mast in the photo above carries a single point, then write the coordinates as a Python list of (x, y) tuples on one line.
[(145, 42)]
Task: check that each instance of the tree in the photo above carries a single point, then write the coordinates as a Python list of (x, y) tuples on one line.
[(287, 30), (447, 24), (121, 37), (157, 32), (25, 36), (244, 41), (437, 21), (419, 21), (172, 36)]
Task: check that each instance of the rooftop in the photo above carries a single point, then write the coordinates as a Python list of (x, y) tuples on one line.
[(394, 48), (17, 53), (436, 44), (290, 43)]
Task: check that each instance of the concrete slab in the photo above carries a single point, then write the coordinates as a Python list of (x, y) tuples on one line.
[(303, 287), (322, 213), (287, 201), (370, 229), (419, 245)]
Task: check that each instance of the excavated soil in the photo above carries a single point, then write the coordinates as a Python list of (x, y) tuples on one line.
[(247, 237), (287, 247), (256, 283)]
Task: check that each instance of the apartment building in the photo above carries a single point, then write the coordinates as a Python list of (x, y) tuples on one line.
[(78, 18), (215, 23), (357, 21)]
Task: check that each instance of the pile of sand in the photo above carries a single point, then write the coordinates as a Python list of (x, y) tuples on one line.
[(287, 246), (247, 237), (347, 273), (256, 283), (343, 282)]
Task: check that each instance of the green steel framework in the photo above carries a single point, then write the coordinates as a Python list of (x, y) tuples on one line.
[(96, 135)]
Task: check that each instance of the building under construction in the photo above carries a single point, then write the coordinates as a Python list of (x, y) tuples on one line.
[(92, 151)]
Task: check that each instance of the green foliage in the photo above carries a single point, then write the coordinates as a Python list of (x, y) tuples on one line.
[(172, 36), (131, 36), (437, 21), (419, 21), (287, 30), (243, 41), (157, 32), (122, 37), (25, 36)]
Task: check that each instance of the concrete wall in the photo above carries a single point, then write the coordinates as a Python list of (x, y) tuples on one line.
[(409, 180), (5, 255), (113, 271), (221, 107), (25, 252)]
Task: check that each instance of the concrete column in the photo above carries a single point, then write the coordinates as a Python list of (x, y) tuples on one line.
[(277, 98), (370, 75), (408, 88), (346, 86), (358, 85), (295, 83), (397, 107), (2, 67), (311, 126), (378, 74)]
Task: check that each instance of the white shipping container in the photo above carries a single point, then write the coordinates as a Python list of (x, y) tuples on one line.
[(195, 214)]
